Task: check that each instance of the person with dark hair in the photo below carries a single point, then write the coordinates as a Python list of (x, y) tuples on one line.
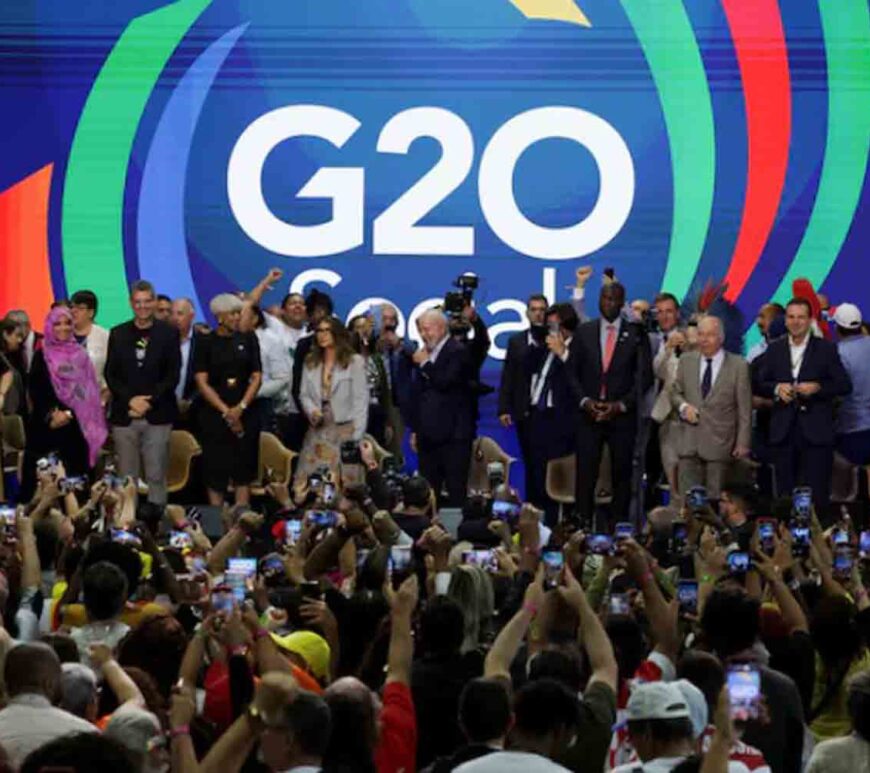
[(79, 753), (851, 753), (361, 329), (414, 512), (12, 397), (156, 646), (142, 370), (228, 372), (803, 375), (525, 355), (737, 503), (484, 718), (297, 737), (22, 357), (334, 396), (730, 626), (104, 590), (437, 678), (546, 721), (273, 398), (83, 305), (32, 676), (163, 308), (552, 417), (610, 366), (842, 654)]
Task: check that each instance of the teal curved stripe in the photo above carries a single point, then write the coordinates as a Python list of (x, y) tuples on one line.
[(93, 198), (665, 33), (846, 29)]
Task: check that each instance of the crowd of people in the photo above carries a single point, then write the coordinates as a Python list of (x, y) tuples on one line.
[(711, 615)]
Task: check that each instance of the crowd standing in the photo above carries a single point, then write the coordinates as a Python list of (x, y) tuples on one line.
[(708, 614)]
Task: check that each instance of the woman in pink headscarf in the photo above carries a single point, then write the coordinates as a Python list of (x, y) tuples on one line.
[(67, 418)]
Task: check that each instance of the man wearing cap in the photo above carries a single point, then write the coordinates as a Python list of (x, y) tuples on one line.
[(665, 719), (853, 416)]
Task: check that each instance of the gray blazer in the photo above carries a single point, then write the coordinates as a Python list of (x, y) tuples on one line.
[(726, 414), (349, 399)]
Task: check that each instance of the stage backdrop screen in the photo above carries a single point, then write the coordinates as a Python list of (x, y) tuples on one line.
[(380, 148)]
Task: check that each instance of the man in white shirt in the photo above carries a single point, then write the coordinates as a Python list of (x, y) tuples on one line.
[(32, 674), (93, 337), (713, 397), (181, 318)]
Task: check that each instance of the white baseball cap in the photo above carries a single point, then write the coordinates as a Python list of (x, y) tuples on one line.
[(848, 316), (668, 700)]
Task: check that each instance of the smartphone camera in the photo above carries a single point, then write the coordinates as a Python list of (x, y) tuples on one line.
[(485, 559), (325, 519), (350, 453), (744, 691), (399, 564), (767, 535), (292, 531), (800, 541), (599, 544), (696, 498), (180, 540), (222, 600), (623, 531), (619, 604), (687, 597), (679, 537), (738, 562), (843, 561), (802, 502), (553, 563), (495, 474), (864, 545), (506, 511), (125, 537), (840, 538)]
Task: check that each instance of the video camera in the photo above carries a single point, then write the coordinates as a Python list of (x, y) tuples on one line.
[(456, 300)]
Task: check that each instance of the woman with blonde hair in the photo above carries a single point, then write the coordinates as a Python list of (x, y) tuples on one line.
[(335, 398)]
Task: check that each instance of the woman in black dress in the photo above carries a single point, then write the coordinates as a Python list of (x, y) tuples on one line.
[(226, 366)]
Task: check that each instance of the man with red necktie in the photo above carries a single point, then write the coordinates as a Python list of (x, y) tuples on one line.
[(611, 367)]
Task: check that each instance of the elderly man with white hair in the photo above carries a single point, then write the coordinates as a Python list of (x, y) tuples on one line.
[(442, 412), (228, 373), (713, 396)]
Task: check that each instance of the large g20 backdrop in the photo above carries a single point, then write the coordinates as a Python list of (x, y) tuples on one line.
[(384, 146)]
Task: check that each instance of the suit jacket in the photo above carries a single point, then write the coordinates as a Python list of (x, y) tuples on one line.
[(157, 377), (814, 416), (349, 394), (631, 361), (513, 390), (442, 407), (302, 350), (726, 412), (665, 365)]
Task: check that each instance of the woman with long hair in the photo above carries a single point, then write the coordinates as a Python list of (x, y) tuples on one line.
[(227, 370), (11, 382), (362, 339), (335, 397), (67, 417)]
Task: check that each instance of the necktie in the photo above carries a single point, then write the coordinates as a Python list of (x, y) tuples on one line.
[(707, 380), (609, 346)]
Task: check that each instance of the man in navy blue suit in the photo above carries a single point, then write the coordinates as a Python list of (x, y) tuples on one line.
[(803, 374), (442, 409), (610, 367)]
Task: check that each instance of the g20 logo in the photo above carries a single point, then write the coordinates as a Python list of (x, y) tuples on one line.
[(397, 230)]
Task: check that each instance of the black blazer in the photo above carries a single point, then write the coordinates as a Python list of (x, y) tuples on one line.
[(442, 403), (303, 347), (631, 361), (814, 415), (157, 377), (513, 391)]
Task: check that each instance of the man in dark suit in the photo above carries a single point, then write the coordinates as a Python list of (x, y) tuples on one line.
[(142, 371), (442, 415), (610, 367), (803, 375), (526, 352)]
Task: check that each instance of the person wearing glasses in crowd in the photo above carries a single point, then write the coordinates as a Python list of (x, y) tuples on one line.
[(228, 374), (334, 394), (89, 334)]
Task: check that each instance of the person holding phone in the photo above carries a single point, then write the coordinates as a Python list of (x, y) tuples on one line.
[(228, 374), (335, 397)]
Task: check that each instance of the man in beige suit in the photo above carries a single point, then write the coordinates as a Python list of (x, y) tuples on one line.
[(713, 397)]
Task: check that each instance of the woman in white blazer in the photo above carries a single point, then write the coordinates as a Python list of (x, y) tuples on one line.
[(335, 397)]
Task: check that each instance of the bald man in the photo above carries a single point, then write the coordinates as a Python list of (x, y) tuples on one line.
[(181, 318), (713, 397), (442, 414)]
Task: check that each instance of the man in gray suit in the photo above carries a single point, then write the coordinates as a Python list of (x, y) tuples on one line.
[(713, 396)]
